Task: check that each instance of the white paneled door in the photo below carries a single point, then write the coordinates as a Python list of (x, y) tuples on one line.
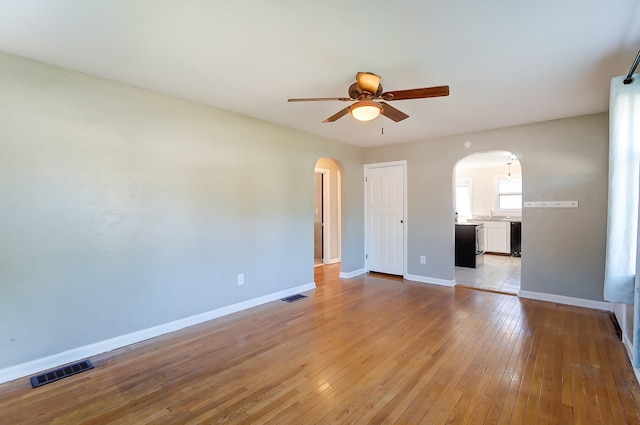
[(384, 197)]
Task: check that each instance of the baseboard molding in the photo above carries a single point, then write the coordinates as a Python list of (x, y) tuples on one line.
[(561, 299), (628, 346), (354, 273), (333, 261), (76, 354), (430, 280)]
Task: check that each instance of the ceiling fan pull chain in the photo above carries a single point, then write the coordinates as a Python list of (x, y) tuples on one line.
[(381, 125)]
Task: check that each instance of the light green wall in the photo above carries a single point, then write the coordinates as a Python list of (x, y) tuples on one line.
[(563, 249), (124, 209)]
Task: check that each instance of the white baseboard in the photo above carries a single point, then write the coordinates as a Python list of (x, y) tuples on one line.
[(561, 299), (354, 273), (79, 353), (627, 344), (629, 347), (431, 280), (332, 261)]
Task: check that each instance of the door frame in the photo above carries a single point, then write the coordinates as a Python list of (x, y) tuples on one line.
[(326, 214), (405, 221)]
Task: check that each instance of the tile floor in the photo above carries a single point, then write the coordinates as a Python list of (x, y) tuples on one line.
[(498, 273)]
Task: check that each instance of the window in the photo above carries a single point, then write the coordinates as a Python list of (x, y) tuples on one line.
[(509, 193), (463, 198)]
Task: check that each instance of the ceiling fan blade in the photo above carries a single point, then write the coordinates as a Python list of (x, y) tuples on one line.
[(416, 93), (313, 99), (337, 115), (368, 81), (392, 113)]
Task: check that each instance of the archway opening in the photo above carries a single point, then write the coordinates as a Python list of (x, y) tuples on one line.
[(327, 212), (488, 205)]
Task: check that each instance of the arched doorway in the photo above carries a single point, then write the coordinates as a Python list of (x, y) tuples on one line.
[(327, 211), (488, 198)]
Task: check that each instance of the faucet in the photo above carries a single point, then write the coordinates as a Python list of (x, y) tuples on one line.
[(490, 214)]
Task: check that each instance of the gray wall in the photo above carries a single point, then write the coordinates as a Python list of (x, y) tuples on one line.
[(563, 249), (123, 209)]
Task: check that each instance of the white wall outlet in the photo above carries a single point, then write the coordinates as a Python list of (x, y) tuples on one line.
[(240, 279), (423, 259)]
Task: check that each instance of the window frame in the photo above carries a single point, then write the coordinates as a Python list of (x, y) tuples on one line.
[(464, 182), (498, 194)]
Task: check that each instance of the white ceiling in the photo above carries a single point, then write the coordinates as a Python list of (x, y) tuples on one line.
[(507, 62)]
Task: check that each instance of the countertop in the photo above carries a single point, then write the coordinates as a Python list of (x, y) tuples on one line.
[(496, 218)]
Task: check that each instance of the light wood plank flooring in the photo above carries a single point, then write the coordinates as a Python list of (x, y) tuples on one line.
[(369, 350)]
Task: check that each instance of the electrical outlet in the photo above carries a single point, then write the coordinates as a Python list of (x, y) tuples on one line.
[(240, 279), (423, 259)]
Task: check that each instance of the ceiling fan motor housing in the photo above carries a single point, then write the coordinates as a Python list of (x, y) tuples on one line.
[(355, 92)]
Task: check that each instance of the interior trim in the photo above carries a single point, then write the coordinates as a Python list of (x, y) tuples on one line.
[(431, 280), (561, 299), (349, 275)]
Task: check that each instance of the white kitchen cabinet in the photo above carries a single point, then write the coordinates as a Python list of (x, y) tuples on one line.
[(497, 237)]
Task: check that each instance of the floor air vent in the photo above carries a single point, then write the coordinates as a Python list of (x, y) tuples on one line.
[(63, 372), (293, 298)]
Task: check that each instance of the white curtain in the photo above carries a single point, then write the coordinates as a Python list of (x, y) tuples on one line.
[(624, 175), (622, 261)]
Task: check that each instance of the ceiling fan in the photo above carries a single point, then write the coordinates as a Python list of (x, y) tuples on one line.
[(371, 100)]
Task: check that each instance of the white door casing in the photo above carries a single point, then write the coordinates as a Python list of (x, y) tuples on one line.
[(385, 198), (326, 214)]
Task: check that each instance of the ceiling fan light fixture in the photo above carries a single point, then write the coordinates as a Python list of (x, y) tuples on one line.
[(365, 110)]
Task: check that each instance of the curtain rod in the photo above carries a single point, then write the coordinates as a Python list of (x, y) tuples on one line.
[(629, 78)]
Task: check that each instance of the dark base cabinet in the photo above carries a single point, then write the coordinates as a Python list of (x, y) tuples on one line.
[(467, 249), (516, 239)]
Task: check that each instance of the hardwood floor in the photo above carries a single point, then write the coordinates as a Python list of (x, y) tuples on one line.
[(368, 350)]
